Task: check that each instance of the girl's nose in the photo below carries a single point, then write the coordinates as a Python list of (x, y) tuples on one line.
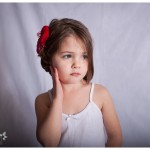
[(76, 64)]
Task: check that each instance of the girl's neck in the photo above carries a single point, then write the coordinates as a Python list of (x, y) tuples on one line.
[(72, 87)]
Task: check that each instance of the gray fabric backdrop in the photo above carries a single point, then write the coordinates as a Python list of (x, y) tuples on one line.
[(121, 34)]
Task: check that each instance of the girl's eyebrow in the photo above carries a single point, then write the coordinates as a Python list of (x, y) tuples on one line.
[(72, 52), (66, 52)]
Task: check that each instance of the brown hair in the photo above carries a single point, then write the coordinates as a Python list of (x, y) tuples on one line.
[(60, 29)]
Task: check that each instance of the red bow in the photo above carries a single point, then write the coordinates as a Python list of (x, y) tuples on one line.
[(43, 36)]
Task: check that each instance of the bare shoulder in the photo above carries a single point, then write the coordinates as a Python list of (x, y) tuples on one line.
[(42, 104), (42, 99), (99, 88), (101, 91), (101, 95)]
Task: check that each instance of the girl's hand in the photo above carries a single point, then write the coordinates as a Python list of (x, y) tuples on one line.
[(57, 90)]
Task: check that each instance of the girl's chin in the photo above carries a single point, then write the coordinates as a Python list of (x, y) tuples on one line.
[(73, 81)]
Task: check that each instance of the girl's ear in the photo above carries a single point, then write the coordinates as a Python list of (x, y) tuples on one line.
[(51, 67)]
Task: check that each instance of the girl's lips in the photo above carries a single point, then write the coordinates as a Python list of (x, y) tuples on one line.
[(75, 74)]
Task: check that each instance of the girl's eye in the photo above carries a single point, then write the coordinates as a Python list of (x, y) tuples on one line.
[(85, 56), (67, 56)]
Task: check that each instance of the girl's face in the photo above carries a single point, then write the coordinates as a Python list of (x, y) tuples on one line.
[(71, 60)]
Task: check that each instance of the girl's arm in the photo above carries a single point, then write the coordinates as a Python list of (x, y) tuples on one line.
[(111, 121), (48, 122), (49, 119)]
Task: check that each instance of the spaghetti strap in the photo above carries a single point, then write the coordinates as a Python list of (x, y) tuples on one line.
[(91, 92), (50, 96)]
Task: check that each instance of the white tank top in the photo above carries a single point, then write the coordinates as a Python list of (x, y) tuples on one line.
[(84, 129)]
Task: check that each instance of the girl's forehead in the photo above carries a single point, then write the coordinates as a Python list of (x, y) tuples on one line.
[(72, 43)]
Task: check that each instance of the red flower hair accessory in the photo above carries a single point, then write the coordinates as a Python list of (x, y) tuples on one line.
[(43, 36)]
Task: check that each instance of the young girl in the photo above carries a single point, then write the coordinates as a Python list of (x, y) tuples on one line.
[(75, 112)]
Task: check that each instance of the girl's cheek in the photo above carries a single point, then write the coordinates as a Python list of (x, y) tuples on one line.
[(56, 64), (59, 68)]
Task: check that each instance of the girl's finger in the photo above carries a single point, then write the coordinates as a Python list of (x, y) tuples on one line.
[(52, 72), (56, 72)]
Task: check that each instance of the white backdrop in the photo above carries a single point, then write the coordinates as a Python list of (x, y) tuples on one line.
[(121, 34)]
